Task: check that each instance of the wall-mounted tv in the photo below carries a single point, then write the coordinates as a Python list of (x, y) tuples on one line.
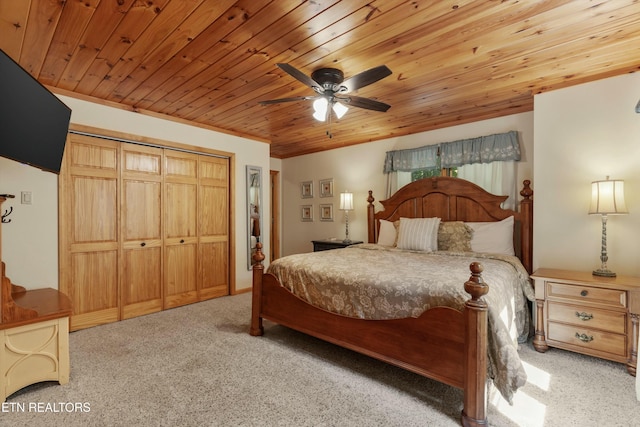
[(33, 122)]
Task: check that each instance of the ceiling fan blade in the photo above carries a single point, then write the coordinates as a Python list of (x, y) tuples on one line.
[(300, 76), (365, 78), (366, 103), (296, 98)]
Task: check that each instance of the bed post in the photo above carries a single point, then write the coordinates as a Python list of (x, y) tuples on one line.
[(371, 220), (256, 302), (526, 210), (474, 412)]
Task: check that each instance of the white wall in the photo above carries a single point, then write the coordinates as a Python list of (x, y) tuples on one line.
[(30, 241), (582, 134), (358, 169)]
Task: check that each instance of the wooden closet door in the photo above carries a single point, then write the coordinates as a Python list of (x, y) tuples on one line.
[(88, 209), (181, 228), (213, 217), (141, 230)]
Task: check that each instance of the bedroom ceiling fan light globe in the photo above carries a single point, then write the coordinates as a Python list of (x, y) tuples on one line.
[(340, 109), (320, 106)]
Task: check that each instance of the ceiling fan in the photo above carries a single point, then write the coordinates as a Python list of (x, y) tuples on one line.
[(332, 90)]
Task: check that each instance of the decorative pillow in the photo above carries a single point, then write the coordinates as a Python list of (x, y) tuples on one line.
[(387, 235), (418, 234), (493, 237), (454, 236)]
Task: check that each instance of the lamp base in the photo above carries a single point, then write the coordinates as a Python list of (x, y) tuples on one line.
[(346, 241), (603, 272)]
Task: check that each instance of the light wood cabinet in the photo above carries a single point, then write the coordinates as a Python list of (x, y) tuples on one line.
[(584, 313), (142, 229)]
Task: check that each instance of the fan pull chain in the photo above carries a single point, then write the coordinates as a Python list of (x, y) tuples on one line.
[(329, 134)]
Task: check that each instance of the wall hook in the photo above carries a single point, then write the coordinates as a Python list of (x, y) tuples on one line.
[(6, 214)]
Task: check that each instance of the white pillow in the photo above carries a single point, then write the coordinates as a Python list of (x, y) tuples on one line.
[(387, 234), (418, 234), (493, 237)]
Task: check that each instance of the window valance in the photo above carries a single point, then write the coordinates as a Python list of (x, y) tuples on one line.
[(483, 149), (411, 159)]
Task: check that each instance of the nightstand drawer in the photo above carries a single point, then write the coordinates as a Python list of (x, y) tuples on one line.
[(588, 339), (587, 317), (581, 294)]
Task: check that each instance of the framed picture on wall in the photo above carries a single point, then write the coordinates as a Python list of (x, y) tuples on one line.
[(326, 187), (306, 189), (306, 213), (326, 212)]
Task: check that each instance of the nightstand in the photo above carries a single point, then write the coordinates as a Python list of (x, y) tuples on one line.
[(325, 245), (592, 315)]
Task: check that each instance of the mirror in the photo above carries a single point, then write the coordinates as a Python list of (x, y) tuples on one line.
[(254, 210)]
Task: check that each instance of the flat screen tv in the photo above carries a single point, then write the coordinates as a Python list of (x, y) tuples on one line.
[(33, 122)]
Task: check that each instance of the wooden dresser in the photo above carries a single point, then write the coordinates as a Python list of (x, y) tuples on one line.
[(588, 314)]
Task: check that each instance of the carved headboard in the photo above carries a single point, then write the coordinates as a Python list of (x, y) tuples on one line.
[(455, 199)]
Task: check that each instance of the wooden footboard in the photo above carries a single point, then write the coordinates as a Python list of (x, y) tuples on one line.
[(443, 343)]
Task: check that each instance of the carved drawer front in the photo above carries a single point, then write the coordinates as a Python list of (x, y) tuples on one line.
[(588, 317), (588, 338), (600, 296)]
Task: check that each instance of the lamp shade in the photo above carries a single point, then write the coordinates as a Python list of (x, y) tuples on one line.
[(320, 107), (339, 109), (346, 201), (607, 197)]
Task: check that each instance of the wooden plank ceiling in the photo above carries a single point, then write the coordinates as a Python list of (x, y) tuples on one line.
[(210, 62)]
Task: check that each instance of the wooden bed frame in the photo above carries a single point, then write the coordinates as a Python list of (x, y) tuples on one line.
[(443, 343)]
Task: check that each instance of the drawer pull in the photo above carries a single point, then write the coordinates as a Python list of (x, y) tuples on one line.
[(143, 244), (584, 316), (584, 293), (584, 337)]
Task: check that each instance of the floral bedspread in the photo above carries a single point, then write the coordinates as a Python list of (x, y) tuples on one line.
[(370, 281)]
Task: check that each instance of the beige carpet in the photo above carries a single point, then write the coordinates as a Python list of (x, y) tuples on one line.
[(198, 366)]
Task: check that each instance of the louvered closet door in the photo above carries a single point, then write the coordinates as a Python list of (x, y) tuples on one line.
[(88, 208), (141, 228), (213, 213), (181, 232)]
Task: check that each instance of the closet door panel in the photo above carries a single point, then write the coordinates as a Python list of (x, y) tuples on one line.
[(141, 210), (88, 242), (181, 274), (213, 212), (142, 276), (215, 269), (180, 228), (94, 288), (141, 230), (94, 208), (180, 216)]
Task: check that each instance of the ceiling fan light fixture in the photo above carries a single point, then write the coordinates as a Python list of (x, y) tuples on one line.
[(320, 106), (327, 82), (340, 109)]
